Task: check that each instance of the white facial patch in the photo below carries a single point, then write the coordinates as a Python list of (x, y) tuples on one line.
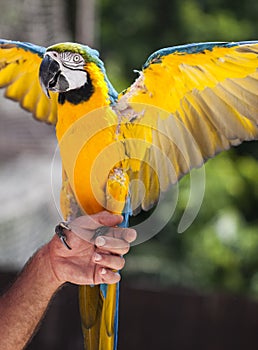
[(75, 78), (72, 68)]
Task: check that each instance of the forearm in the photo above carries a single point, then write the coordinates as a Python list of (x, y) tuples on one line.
[(23, 306), (88, 262)]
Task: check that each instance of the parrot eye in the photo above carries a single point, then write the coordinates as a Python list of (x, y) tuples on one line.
[(76, 58), (71, 60)]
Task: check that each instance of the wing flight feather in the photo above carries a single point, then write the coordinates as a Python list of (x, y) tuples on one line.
[(188, 104), (19, 70)]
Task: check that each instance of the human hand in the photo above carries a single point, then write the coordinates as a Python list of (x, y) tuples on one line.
[(93, 259)]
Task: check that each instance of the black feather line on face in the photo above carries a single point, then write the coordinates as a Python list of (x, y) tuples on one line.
[(77, 96)]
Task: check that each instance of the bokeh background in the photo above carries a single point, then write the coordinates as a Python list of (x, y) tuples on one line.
[(195, 290)]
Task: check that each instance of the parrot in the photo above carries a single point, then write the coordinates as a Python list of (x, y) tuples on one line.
[(188, 103)]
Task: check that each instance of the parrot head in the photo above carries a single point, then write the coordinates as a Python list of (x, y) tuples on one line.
[(64, 67)]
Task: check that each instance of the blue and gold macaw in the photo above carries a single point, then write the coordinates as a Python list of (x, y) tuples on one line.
[(189, 103)]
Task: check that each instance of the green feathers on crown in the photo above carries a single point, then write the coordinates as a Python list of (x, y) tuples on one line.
[(89, 54)]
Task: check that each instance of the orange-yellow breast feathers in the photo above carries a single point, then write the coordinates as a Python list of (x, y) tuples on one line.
[(84, 131), (69, 113)]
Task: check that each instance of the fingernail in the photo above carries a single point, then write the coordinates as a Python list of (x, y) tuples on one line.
[(100, 241), (97, 257), (103, 271)]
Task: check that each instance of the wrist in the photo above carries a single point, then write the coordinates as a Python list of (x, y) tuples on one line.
[(56, 259), (45, 255)]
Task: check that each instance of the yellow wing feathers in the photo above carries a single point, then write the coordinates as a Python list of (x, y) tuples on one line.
[(19, 69), (187, 108)]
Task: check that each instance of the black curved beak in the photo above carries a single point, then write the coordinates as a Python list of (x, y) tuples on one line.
[(49, 72)]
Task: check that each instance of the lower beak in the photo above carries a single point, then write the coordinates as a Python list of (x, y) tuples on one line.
[(48, 74)]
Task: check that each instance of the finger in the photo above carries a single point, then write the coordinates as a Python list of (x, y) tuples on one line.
[(85, 226), (104, 275), (113, 262), (126, 234), (107, 219), (112, 245)]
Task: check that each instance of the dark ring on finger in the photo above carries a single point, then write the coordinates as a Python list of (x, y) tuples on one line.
[(59, 230)]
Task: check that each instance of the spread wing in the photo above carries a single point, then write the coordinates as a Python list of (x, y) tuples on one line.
[(189, 103), (19, 70)]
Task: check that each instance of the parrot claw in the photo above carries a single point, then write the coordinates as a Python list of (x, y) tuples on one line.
[(59, 230)]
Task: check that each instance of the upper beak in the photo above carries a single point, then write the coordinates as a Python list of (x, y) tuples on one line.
[(48, 73)]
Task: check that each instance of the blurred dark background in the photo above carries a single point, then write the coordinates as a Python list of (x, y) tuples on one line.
[(195, 290)]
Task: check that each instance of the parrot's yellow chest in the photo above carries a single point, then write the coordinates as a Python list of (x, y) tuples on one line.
[(86, 133), (69, 112)]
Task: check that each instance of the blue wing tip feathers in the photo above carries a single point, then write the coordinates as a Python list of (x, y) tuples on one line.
[(191, 49), (39, 50)]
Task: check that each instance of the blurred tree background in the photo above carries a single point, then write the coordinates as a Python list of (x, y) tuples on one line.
[(220, 249)]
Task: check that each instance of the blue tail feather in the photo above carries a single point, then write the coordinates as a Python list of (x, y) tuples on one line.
[(103, 287)]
